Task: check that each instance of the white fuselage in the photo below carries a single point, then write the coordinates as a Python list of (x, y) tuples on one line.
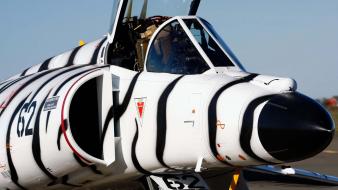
[(73, 121)]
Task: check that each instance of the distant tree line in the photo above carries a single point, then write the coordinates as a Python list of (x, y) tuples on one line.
[(329, 102)]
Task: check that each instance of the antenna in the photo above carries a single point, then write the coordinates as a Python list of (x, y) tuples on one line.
[(194, 7), (143, 14), (130, 9)]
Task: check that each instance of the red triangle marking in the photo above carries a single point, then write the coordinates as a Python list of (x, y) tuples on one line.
[(140, 106)]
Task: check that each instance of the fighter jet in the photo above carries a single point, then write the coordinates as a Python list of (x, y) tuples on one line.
[(160, 97)]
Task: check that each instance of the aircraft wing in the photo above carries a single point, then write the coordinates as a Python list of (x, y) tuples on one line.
[(289, 175)]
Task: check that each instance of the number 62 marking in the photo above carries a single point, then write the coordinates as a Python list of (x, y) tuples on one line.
[(25, 117)]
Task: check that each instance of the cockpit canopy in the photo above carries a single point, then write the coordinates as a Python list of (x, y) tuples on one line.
[(172, 51), (144, 39), (184, 46)]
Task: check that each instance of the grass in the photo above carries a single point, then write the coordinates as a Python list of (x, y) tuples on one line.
[(334, 113)]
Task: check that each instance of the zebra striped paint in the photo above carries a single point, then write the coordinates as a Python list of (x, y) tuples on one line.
[(186, 135)]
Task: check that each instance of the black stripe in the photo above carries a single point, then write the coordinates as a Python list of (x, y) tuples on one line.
[(60, 132), (123, 107), (212, 113), (247, 125), (36, 143), (8, 85), (133, 154), (72, 56), (6, 81), (116, 97), (47, 120), (45, 65), (135, 160), (24, 72), (96, 52), (14, 174), (109, 117), (162, 121), (5, 87), (3, 83), (119, 109)]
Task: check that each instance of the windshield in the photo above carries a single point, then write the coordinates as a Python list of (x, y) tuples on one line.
[(173, 52), (208, 44), (222, 43)]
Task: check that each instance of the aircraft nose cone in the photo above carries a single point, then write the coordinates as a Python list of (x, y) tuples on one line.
[(293, 127)]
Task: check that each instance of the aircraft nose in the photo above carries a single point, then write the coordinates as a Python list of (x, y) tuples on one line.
[(293, 127)]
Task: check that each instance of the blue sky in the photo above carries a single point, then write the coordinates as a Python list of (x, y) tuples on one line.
[(297, 39)]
